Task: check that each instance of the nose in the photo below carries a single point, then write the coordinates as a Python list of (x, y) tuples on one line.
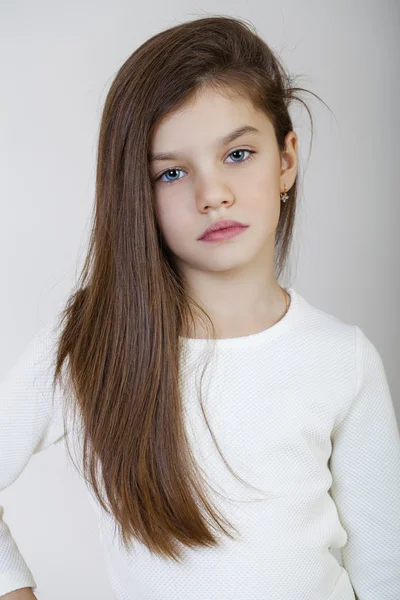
[(211, 194)]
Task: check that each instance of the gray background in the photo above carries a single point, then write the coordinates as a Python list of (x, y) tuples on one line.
[(58, 61)]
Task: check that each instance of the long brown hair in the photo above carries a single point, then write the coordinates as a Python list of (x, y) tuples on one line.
[(121, 326)]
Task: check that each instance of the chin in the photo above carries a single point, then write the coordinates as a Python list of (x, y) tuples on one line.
[(230, 263)]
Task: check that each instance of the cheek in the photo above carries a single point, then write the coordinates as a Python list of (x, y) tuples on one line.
[(262, 195), (172, 219)]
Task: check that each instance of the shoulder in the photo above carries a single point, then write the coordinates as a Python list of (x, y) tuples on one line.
[(324, 333), (330, 333), (343, 354)]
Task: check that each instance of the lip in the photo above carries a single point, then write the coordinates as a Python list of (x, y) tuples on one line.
[(223, 224)]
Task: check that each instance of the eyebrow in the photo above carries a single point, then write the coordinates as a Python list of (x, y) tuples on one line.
[(222, 141)]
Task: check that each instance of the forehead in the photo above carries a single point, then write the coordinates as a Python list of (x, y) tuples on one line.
[(206, 118)]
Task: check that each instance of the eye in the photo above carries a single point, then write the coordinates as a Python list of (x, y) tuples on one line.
[(251, 152), (175, 170)]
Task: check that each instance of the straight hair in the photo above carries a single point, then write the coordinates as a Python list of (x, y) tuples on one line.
[(118, 356)]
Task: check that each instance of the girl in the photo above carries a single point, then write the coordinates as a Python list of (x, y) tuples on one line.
[(180, 301)]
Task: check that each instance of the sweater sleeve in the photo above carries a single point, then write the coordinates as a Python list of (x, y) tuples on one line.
[(365, 468), (29, 423)]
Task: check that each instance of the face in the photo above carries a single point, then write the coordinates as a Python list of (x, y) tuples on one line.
[(208, 180)]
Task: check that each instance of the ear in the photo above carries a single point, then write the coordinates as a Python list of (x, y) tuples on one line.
[(289, 160)]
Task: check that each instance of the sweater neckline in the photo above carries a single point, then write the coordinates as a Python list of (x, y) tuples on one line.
[(254, 339)]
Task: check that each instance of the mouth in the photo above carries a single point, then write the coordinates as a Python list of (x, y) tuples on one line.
[(223, 234), (222, 225)]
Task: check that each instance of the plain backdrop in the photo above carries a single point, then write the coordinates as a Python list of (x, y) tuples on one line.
[(58, 60)]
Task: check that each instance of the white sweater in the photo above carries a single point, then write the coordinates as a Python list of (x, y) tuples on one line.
[(301, 410)]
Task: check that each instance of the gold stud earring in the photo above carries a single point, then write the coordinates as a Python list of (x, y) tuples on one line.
[(284, 195)]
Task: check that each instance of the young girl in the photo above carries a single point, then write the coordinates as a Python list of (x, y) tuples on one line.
[(230, 432)]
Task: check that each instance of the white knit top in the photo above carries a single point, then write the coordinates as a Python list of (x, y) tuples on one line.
[(301, 410)]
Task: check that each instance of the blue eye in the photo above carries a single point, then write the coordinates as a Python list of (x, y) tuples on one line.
[(176, 169)]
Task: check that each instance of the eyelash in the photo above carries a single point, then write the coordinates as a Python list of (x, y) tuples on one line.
[(251, 155)]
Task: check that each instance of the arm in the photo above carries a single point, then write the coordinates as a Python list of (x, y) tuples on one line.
[(365, 467), (29, 423), (22, 594)]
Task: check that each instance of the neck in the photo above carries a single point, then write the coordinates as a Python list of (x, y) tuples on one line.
[(255, 318)]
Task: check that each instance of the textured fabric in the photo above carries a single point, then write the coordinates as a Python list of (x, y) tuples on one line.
[(302, 411)]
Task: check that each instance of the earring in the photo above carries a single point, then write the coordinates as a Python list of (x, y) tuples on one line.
[(284, 195)]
